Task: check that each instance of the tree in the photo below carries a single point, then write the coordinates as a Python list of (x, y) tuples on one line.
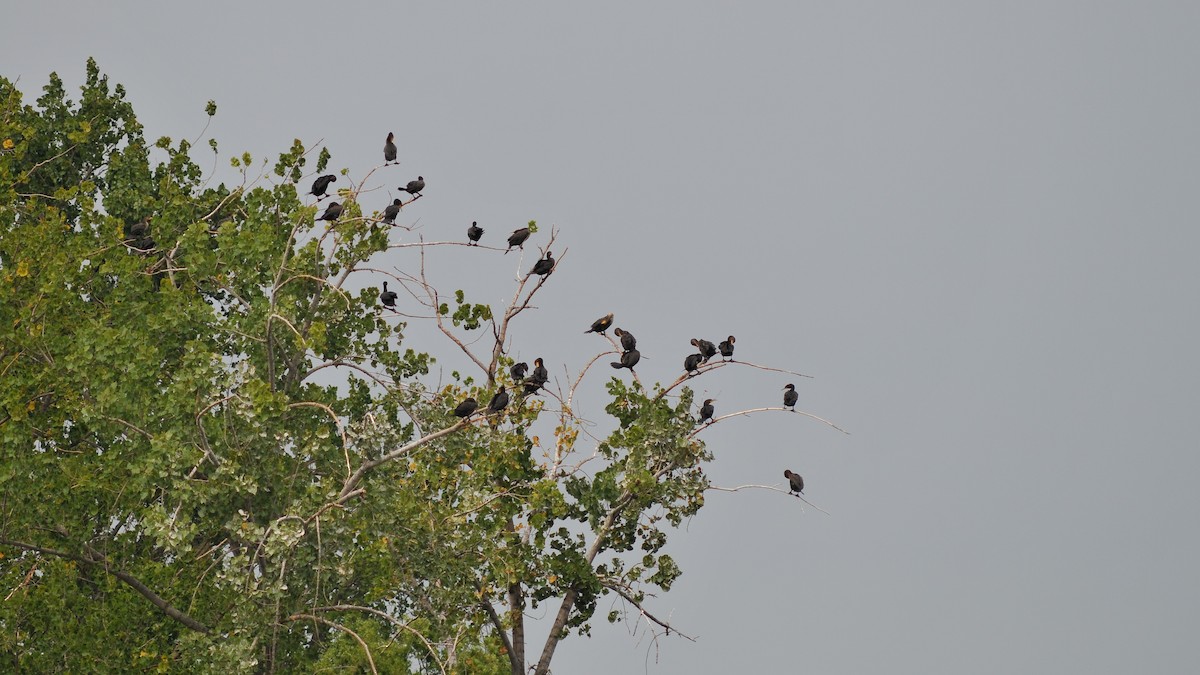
[(219, 452)]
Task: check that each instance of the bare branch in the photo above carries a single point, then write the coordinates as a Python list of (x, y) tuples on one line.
[(394, 621), (755, 410), (642, 610), (338, 626), (772, 488)]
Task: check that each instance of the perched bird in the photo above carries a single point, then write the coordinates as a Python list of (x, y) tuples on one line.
[(141, 228), (517, 238), (144, 245), (537, 378), (726, 348), (518, 371), (628, 342), (392, 210), (790, 397), (474, 232), (465, 408), (332, 212), (692, 362), (600, 325), (499, 401), (320, 185), (388, 298), (795, 482), (543, 267), (706, 410), (707, 349), (414, 187), (389, 149), (629, 359)]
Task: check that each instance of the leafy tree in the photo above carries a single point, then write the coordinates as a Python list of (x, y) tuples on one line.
[(216, 456)]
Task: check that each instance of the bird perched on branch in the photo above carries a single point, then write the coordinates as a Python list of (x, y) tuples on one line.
[(141, 228), (517, 238), (538, 378), (518, 371), (628, 342), (467, 407), (795, 482), (629, 359), (388, 298), (392, 210), (499, 401), (414, 187), (600, 325), (332, 212), (692, 362), (706, 348), (320, 185), (707, 410), (474, 232), (389, 150), (790, 396), (726, 348), (543, 267)]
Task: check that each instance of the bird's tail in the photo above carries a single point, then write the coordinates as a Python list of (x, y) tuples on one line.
[(616, 364)]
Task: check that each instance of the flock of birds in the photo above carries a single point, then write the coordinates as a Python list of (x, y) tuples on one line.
[(533, 382)]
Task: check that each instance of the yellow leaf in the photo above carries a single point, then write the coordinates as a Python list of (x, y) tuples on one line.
[(8, 144), (23, 268), (552, 578)]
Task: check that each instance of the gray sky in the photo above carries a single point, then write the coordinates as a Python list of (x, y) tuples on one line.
[(973, 223)]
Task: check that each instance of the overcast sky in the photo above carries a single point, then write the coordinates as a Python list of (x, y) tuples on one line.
[(975, 224)]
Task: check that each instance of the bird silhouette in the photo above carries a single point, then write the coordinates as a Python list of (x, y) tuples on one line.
[(628, 342), (141, 228), (543, 267), (465, 408), (629, 359), (474, 232), (332, 212), (517, 238), (726, 348), (692, 362), (706, 410), (790, 397), (392, 210), (414, 187), (539, 377), (795, 482), (518, 371), (389, 149), (388, 298), (600, 325), (499, 401), (320, 185), (706, 348)]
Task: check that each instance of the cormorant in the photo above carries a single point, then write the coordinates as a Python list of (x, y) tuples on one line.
[(388, 298), (628, 342), (140, 229), (467, 407), (499, 401), (537, 378), (414, 187), (543, 267), (692, 362), (795, 482), (706, 410), (518, 371), (517, 238), (320, 185), (726, 348), (392, 210), (600, 325), (144, 245), (474, 232), (628, 360), (332, 212), (389, 149), (790, 397), (707, 349)]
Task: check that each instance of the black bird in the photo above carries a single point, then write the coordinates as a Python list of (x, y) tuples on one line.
[(499, 401), (692, 362), (795, 482), (600, 325), (392, 210), (628, 360), (543, 267), (706, 410), (332, 212), (726, 348), (467, 407), (790, 397), (414, 187), (388, 298), (140, 228), (144, 245), (537, 378), (389, 149), (518, 371), (320, 185), (517, 238), (628, 342), (474, 232), (707, 349)]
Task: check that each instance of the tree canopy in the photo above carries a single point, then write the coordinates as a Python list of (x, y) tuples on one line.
[(220, 453)]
